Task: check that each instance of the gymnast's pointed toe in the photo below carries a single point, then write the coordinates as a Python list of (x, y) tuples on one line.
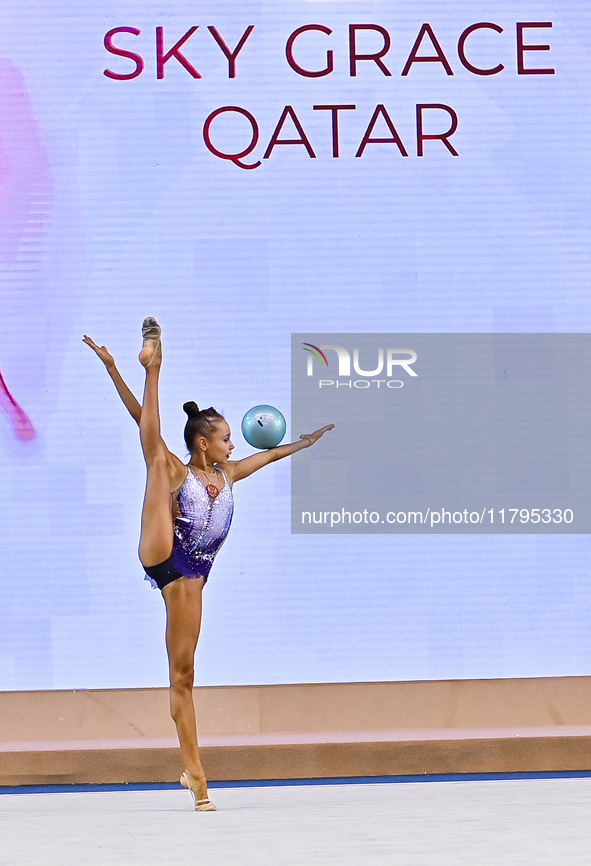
[(151, 350), (151, 330)]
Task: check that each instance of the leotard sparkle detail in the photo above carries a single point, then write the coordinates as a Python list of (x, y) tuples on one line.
[(200, 527)]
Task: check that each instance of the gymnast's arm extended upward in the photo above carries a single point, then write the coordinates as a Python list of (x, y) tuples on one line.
[(175, 466), (129, 401)]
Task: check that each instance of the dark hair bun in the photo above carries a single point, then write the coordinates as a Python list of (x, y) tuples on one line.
[(191, 408)]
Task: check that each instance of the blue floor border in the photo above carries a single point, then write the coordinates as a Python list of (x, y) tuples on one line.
[(273, 783)]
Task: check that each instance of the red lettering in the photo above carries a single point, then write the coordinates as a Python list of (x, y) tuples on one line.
[(442, 136), (439, 57), (288, 111), (521, 70), (462, 41), (233, 157), (296, 66), (335, 122), (395, 139), (162, 58), (376, 57), (231, 55), (137, 58)]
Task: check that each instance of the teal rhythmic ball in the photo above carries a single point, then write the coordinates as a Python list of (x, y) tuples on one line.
[(263, 427)]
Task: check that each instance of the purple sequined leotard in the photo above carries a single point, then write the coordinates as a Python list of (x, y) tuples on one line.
[(201, 525)]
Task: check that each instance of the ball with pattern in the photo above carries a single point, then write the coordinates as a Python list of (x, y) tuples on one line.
[(263, 426)]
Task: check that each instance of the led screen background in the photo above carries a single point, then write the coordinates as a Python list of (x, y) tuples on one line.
[(113, 208)]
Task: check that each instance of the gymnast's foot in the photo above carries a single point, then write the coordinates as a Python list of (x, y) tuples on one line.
[(198, 788), (152, 350)]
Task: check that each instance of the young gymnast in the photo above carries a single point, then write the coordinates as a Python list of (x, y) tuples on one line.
[(186, 516)]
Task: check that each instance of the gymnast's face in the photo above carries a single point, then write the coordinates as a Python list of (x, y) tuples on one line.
[(219, 443)]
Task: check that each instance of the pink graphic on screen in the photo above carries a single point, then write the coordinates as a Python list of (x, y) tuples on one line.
[(26, 196), (21, 423)]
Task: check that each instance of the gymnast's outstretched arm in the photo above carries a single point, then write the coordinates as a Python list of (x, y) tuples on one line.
[(131, 404), (240, 469)]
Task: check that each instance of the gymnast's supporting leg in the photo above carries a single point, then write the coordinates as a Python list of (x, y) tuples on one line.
[(183, 621)]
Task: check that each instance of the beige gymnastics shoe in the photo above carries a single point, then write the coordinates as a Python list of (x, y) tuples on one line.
[(151, 332), (187, 781)]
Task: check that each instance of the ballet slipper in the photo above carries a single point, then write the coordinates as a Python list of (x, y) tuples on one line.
[(187, 781), (151, 332)]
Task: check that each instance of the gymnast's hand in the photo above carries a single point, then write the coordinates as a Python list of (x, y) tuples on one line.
[(101, 351), (317, 434)]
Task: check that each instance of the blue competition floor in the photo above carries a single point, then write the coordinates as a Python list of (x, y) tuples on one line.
[(266, 783)]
